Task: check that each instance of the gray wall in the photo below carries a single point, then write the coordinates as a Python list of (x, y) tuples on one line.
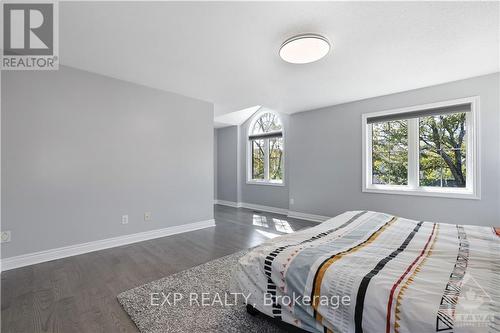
[(324, 149), (231, 169), (267, 195), (215, 164), (79, 150), (227, 163)]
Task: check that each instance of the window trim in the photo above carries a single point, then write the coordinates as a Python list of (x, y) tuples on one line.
[(265, 181), (473, 189)]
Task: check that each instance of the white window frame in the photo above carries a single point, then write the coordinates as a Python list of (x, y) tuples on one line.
[(473, 173), (266, 181)]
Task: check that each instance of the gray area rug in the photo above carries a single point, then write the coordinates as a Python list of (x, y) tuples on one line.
[(185, 315)]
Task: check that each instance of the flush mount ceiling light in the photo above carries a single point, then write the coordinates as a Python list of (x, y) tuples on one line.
[(304, 48)]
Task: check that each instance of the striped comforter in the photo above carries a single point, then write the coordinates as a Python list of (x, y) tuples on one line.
[(372, 272)]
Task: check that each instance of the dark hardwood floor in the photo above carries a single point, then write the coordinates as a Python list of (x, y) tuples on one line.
[(78, 294)]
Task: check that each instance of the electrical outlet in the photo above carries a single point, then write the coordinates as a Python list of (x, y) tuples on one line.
[(124, 219), (147, 216), (292, 201), (5, 237)]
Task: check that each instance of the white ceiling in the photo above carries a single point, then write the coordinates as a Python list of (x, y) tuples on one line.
[(235, 118), (227, 53)]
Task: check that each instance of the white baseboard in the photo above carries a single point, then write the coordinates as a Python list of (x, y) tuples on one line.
[(72, 250), (269, 209), (309, 217), (276, 210), (228, 203)]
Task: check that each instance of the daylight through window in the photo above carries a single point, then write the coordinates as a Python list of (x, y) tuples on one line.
[(266, 150), (423, 151)]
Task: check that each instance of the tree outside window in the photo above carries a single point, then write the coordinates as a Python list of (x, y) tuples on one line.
[(266, 149)]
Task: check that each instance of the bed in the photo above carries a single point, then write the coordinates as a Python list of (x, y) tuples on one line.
[(366, 271)]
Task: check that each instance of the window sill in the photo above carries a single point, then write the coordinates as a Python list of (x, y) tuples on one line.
[(255, 182), (424, 191)]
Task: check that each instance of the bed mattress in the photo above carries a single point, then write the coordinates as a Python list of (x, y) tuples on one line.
[(366, 271)]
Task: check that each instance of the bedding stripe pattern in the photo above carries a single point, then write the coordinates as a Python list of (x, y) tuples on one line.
[(446, 314), (360, 298), (423, 255), (271, 287), (320, 273), (373, 272)]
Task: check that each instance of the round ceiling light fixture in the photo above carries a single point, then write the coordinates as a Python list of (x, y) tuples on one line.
[(304, 48)]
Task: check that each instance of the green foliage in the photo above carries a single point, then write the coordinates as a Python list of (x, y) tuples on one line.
[(390, 152), (443, 150), (276, 159), (266, 123), (258, 159)]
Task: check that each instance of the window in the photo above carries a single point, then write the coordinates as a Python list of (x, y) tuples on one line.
[(423, 150), (266, 150), (390, 152)]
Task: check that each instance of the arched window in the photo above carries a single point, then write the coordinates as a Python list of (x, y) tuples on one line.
[(265, 149)]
